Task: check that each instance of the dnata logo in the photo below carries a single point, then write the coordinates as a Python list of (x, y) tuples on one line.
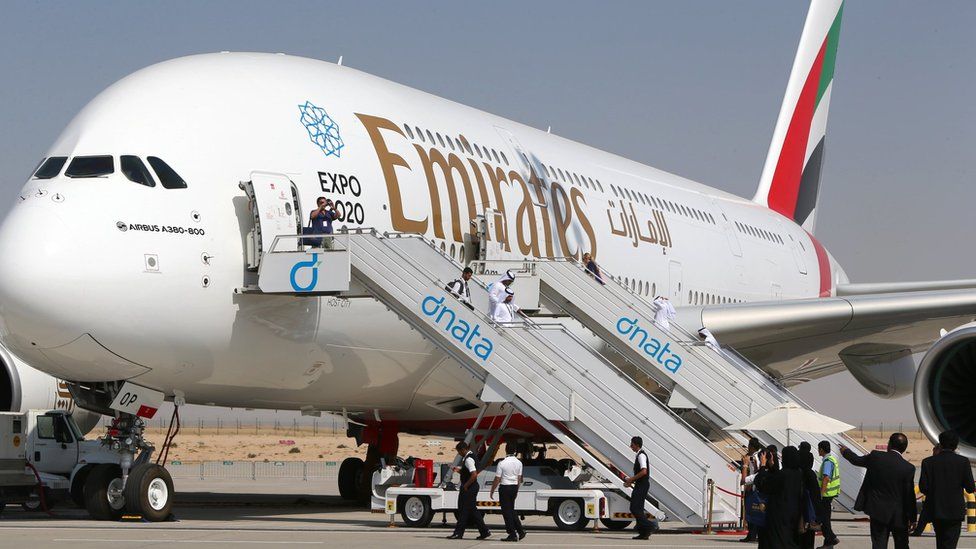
[(322, 129), (313, 264), (445, 318), (651, 346)]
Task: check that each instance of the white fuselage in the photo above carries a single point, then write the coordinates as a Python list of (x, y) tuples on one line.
[(149, 273)]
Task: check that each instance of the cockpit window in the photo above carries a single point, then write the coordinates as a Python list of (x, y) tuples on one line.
[(135, 171), (51, 167), (167, 176), (90, 166)]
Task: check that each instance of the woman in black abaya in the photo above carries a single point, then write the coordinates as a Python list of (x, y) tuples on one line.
[(783, 490)]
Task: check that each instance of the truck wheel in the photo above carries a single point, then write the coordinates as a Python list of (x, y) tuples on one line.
[(149, 492), (349, 472), (34, 504), (611, 524), (415, 511), (77, 491), (568, 514), (103, 492)]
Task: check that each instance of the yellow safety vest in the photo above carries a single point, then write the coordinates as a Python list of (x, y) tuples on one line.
[(833, 487)]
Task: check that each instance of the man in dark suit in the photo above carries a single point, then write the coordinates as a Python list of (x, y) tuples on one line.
[(944, 477), (888, 492)]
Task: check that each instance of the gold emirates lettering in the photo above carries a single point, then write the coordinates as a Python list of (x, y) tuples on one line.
[(480, 193)]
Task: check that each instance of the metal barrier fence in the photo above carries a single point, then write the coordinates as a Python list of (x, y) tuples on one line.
[(255, 470)]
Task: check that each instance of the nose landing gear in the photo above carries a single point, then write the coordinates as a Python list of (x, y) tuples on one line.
[(133, 487)]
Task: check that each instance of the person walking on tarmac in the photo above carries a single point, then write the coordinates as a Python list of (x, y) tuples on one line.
[(468, 494), (508, 478), (641, 483), (829, 489), (944, 477), (459, 288)]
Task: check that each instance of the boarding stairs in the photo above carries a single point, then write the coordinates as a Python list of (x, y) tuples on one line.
[(544, 370), (722, 385)]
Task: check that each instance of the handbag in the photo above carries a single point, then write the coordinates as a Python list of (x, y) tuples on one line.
[(755, 508)]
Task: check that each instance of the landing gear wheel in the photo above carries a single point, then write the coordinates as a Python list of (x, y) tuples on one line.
[(568, 514), (103, 492), (415, 511), (611, 524), (33, 505), (350, 472), (149, 492), (77, 491)]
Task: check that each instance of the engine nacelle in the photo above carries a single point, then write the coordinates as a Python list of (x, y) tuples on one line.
[(23, 388), (888, 371), (945, 388)]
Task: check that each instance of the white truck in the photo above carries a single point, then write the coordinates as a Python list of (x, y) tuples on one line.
[(572, 498), (51, 442)]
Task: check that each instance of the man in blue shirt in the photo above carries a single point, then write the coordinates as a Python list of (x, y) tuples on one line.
[(320, 221)]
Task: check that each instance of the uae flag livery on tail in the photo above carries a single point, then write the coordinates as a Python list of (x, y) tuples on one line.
[(790, 182)]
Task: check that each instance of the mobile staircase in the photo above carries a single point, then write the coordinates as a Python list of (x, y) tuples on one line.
[(722, 385), (544, 370)]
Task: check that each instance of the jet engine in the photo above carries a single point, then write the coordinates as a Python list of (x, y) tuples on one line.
[(23, 388), (945, 388)]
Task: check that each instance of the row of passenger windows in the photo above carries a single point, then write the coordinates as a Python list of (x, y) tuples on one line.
[(573, 178), (459, 143), (132, 167), (759, 233), (661, 204), (706, 298)]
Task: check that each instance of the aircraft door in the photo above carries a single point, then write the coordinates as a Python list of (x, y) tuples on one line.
[(674, 282), (274, 207), (728, 229), (491, 236)]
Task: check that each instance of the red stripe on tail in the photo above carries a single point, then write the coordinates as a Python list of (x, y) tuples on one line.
[(823, 263), (789, 169)]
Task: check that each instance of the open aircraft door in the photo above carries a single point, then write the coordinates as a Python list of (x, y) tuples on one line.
[(274, 206), (728, 229)]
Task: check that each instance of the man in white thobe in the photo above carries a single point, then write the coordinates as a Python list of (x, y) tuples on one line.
[(507, 310), (496, 292), (709, 339), (664, 312)]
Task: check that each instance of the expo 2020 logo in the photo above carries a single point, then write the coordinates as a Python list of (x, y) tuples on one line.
[(322, 129)]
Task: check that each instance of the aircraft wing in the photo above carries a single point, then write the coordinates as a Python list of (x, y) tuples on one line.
[(800, 340)]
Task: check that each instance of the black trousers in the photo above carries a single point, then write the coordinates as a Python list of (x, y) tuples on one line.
[(506, 496), (825, 512), (947, 533), (637, 498), (881, 531), (468, 511)]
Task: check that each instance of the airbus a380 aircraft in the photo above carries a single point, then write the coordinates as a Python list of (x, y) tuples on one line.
[(126, 246)]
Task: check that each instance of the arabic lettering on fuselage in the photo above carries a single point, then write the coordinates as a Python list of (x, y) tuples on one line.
[(559, 211), (657, 227)]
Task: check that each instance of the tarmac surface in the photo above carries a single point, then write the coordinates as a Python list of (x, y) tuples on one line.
[(248, 514)]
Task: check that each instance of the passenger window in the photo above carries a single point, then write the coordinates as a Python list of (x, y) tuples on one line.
[(135, 171), (430, 137), (408, 130), (504, 158), (45, 427), (51, 167), (440, 140), (495, 154), (90, 166), (167, 176)]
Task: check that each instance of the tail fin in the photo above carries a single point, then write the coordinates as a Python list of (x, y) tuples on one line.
[(790, 182)]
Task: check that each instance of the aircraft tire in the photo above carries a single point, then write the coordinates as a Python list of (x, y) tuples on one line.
[(99, 502), (149, 492), (350, 471)]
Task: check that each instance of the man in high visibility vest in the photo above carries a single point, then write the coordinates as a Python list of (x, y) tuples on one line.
[(829, 489)]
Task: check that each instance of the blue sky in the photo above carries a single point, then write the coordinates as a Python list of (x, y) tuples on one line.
[(692, 87)]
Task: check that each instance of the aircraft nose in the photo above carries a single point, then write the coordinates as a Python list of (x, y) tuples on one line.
[(36, 298)]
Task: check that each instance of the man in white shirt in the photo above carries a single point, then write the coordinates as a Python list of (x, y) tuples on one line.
[(641, 483), (459, 288), (468, 494), (507, 310), (664, 312), (709, 339), (496, 292), (508, 478)]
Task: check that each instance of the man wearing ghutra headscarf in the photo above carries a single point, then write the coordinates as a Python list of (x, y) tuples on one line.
[(496, 292), (507, 310)]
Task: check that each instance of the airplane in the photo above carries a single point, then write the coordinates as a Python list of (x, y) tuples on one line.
[(23, 388), (125, 251)]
